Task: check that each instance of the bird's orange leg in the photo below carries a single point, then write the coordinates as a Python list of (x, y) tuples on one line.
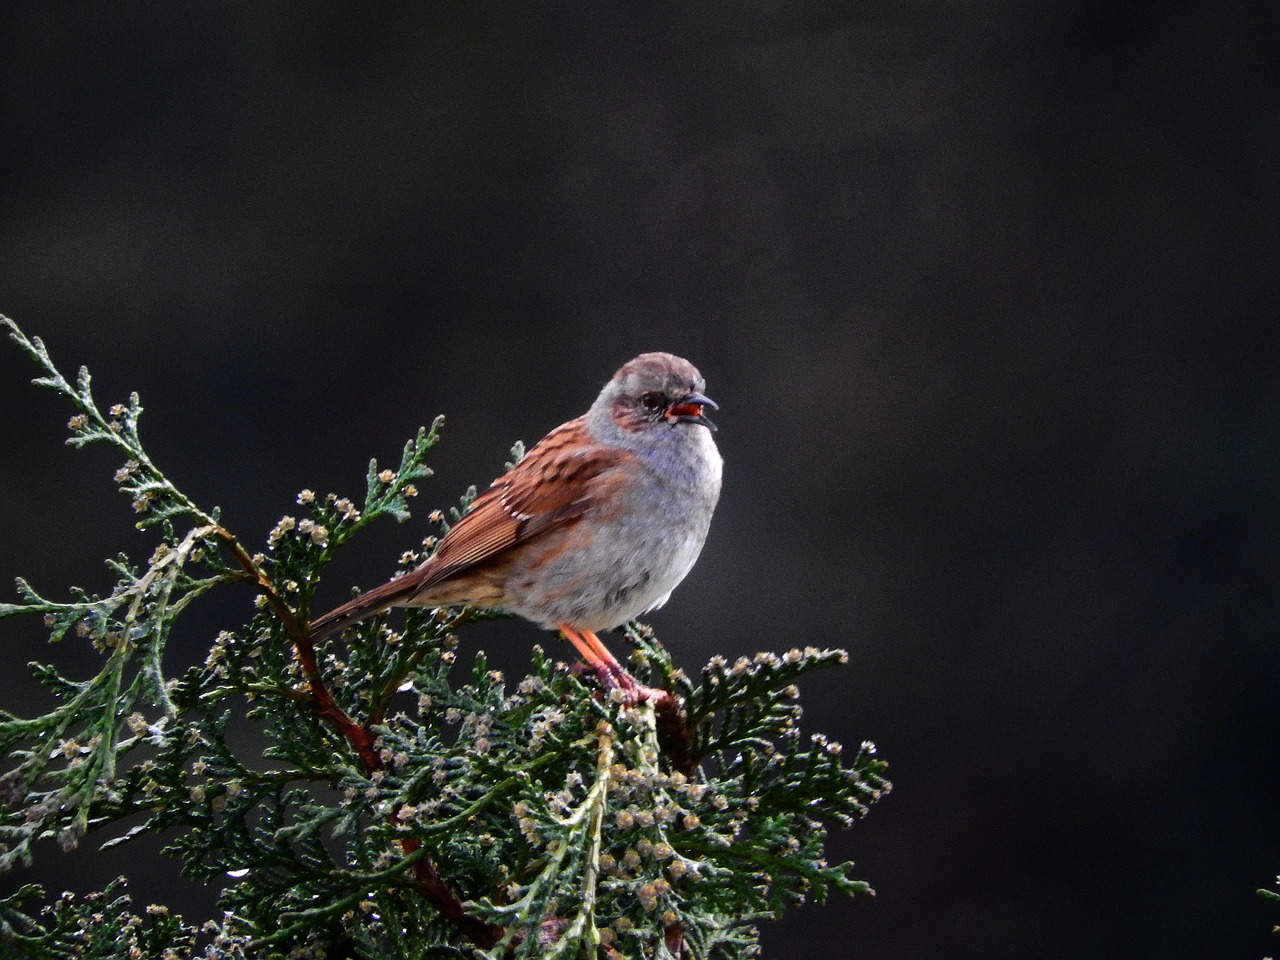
[(612, 674)]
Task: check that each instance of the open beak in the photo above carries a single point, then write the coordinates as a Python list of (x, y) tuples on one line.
[(689, 410)]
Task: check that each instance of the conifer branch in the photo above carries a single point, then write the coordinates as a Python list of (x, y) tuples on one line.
[(401, 809)]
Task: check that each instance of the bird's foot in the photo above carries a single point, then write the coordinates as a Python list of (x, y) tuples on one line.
[(614, 677)]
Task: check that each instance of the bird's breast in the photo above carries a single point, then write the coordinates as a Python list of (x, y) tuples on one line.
[(628, 552)]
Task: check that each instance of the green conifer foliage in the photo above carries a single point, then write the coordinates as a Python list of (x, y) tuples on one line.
[(407, 806)]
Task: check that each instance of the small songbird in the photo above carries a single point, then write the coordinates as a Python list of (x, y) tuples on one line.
[(596, 525)]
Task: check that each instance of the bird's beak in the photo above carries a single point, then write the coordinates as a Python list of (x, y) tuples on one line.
[(689, 410)]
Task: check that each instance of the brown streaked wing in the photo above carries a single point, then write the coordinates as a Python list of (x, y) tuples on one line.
[(553, 485)]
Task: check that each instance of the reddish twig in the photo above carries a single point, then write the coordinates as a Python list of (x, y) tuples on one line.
[(676, 732), (361, 739), (673, 936)]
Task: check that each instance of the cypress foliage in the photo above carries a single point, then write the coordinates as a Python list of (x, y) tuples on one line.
[(406, 806)]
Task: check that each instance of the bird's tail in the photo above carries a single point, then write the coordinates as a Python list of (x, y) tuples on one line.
[(368, 604)]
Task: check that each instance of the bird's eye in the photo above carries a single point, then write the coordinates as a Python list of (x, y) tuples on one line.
[(651, 401)]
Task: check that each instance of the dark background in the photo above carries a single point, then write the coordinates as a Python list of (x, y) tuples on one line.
[(985, 292)]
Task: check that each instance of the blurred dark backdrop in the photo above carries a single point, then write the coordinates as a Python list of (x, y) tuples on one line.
[(986, 294)]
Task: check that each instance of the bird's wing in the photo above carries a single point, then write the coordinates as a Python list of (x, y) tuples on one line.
[(557, 481)]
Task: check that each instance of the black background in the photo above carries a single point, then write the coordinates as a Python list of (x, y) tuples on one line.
[(985, 292)]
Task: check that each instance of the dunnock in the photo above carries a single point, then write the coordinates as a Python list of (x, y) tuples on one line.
[(596, 525)]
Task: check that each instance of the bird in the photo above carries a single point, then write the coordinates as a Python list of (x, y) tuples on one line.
[(595, 526)]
